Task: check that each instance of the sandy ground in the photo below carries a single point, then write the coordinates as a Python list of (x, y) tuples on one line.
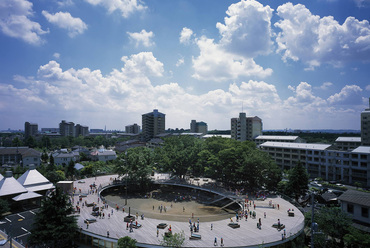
[(175, 211)]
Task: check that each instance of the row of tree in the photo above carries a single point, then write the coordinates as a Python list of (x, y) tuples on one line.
[(234, 163)]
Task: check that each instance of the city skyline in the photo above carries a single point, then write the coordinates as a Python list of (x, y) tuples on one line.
[(297, 64)]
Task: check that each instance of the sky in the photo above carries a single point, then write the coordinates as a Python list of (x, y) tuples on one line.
[(104, 63)]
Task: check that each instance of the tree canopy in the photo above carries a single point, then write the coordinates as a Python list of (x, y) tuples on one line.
[(298, 181), (126, 242), (54, 225)]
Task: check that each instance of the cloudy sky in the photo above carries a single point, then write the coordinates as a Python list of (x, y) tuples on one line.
[(298, 64)]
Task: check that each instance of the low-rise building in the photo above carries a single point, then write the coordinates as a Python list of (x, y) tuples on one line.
[(103, 155), (348, 143), (64, 157), (357, 204), (23, 156)]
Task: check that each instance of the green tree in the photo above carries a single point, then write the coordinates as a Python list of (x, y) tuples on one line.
[(298, 181), (54, 225), (16, 142), (51, 162), (175, 240), (126, 242), (70, 170), (55, 176), (4, 207), (356, 238), (30, 142)]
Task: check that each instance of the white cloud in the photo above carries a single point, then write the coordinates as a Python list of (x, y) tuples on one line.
[(144, 38), (64, 20), (56, 55), (126, 7), (247, 29), (185, 35), (316, 40), (367, 87), (15, 22), (214, 63), (65, 3), (349, 95), (180, 62), (325, 86), (88, 97), (362, 3)]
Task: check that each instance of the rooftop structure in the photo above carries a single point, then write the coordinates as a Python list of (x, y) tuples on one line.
[(34, 181), (9, 186)]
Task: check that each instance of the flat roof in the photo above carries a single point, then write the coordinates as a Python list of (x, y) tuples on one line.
[(309, 146), (348, 139), (276, 137), (362, 149)]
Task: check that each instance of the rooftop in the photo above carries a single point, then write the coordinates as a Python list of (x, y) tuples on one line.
[(309, 146), (357, 197), (348, 139), (276, 137)]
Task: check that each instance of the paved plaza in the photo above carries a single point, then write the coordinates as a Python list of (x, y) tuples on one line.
[(248, 235)]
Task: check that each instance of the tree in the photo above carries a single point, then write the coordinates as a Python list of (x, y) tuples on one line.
[(298, 181), (54, 225), (4, 207), (70, 171), (356, 238), (175, 240), (126, 242)]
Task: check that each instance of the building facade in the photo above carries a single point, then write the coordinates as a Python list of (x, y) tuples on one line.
[(357, 204), (19, 156), (81, 130), (67, 128), (135, 128), (323, 160), (153, 123), (260, 139), (348, 143), (245, 128), (198, 127), (365, 127), (30, 129)]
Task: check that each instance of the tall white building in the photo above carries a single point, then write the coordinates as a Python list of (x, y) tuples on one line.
[(365, 127), (153, 123), (245, 128)]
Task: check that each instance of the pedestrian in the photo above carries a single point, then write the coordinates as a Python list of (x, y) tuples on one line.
[(108, 215), (157, 232), (278, 206), (87, 224), (127, 226), (183, 209), (211, 227), (264, 214), (108, 234), (103, 215), (215, 243), (112, 211), (279, 224), (222, 241)]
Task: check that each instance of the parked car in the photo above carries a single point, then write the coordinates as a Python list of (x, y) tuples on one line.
[(90, 220)]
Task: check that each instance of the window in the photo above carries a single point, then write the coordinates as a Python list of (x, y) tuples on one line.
[(349, 208), (365, 212)]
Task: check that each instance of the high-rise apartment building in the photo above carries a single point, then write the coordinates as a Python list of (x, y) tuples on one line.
[(153, 123), (245, 128), (81, 130), (67, 128), (135, 128), (198, 127), (30, 129), (365, 127)]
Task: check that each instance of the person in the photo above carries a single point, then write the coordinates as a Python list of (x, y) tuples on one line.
[(157, 232), (87, 224), (264, 214), (278, 223), (211, 226), (222, 241), (108, 234), (215, 243)]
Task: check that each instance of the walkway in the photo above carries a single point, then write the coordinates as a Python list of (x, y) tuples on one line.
[(248, 235)]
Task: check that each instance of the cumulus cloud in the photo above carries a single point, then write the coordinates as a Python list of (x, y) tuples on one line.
[(314, 40), (64, 20), (245, 35), (186, 35), (247, 29), (56, 55), (88, 97), (15, 21), (214, 63), (144, 38), (325, 86), (350, 94), (126, 7)]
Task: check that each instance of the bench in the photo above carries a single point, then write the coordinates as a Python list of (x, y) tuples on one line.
[(162, 225), (233, 225), (291, 214), (275, 225), (136, 226), (195, 236)]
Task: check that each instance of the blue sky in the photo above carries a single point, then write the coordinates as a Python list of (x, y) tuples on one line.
[(298, 64)]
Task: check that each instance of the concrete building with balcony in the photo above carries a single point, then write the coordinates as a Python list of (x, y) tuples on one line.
[(260, 139), (81, 130), (67, 128), (245, 128), (134, 128), (323, 160), (365, 127), (348, 143), (153, 123), (198, 127), (30, 129)]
